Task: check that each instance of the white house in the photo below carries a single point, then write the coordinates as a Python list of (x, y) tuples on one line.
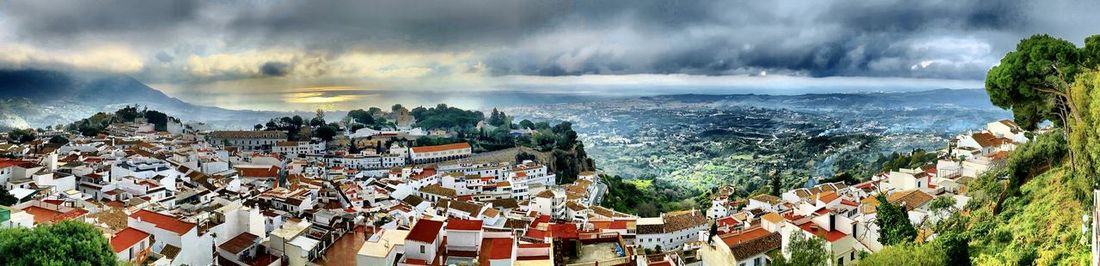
[(671, 230), (422, 243)]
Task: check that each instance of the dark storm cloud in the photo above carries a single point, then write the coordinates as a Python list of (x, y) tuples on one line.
[(277, 69), (924, 39)]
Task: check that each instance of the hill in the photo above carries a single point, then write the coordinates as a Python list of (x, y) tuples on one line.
[(62, 97)]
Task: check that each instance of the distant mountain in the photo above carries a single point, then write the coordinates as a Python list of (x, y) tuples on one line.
[(968, 98), (62, 97)]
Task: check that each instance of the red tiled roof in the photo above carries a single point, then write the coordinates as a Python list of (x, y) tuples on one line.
[(272, 171), (618, 224), (463, 224), (495, 249), (127, 238), (163, 221), (444, 147), (425, 231), (828, 197), (818, 231), (239, 243)]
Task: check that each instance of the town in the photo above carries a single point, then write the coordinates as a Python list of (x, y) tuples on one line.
[(168, 193)]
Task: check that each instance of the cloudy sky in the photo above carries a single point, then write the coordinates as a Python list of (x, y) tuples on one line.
[(308, 53)]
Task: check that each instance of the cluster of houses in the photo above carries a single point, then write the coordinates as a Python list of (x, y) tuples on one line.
[(200, 197), (255, 198), (844, 215)]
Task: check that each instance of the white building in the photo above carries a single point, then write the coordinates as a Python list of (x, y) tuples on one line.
[(671, 230), (439, 153), (247, 140), (422, 243)]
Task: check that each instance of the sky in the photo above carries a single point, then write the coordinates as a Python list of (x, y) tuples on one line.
[(335, 54)]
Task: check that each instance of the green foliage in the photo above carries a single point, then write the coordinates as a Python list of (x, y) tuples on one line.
[(497, 118), (6, 198), (805, 251), (1041, 224), (1026, 80), (649, 197), (58, 140), (64, 243), (431, 141), (22, 135), (443, 116), (1084, 141), (895, 161), (908, 254), (325, 132), (942, 204), (893, 222), (523, 156), (369, 119)]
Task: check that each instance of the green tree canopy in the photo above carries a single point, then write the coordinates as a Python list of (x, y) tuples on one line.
[(325, 132), (59, 140), (21, 135), (6, 198), (893, 223), (64, 243), (805, 251), (1031, 81)]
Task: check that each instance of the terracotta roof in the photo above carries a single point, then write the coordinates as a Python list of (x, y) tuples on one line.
[(248, 135), (683, 220), (463, 224), (545, 194), (272, 171), (467, 207), (239, 243), (127, 238), (984, 139), (495, 249), (163, 221), (509, 203), (413, 200), (767, 198), (425, 231), (772, 217), (444, 147), (751, 242), (438, 190), (820, 232), (912, 199), (828, 197)]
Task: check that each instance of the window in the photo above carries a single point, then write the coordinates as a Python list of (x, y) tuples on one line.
[(756, 261), (840, 261), (422, 249), (853, 255)]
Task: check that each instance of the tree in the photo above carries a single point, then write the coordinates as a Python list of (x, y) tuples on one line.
[(396, 108), (258, 127), (776, 183), (941, 204), (956, 248), (1035, 80), (524, 156), (64, 243), (326, 133), (6, 198), (526, 124), (22, 135), (1032, 80), (893, 223), (59, 140), (318, 120), (805, 250)]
